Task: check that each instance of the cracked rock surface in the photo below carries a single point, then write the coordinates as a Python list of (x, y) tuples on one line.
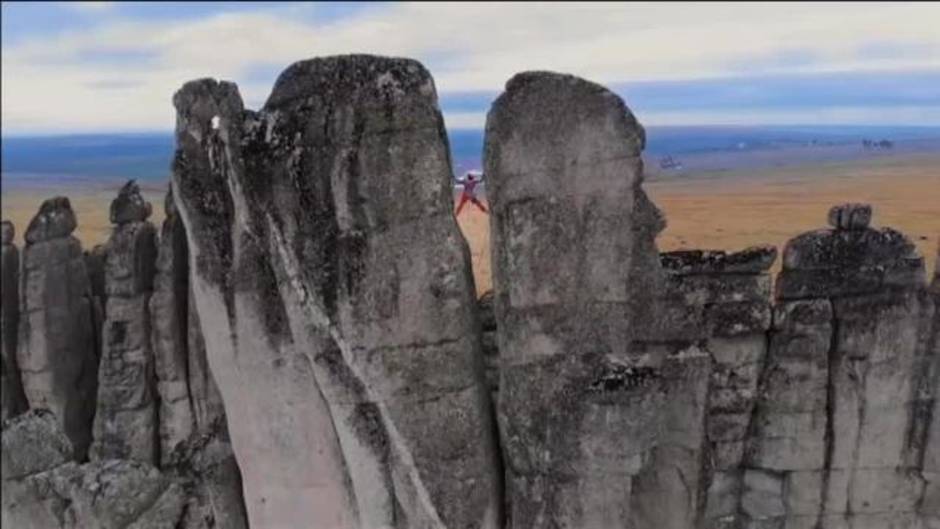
[(44, 489), (335, 297), (126, 420), (12, 399), (585, 419), (57, 351)]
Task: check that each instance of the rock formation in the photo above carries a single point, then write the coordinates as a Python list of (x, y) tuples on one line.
[(581, 406), (95, 260), (721, 302), (193, 429), (126, 419), (169, 313), (302, 347), (929, 413), (56, 349), (335, 298), (44, 489), (489, 340), (12, 399), (833, 439)]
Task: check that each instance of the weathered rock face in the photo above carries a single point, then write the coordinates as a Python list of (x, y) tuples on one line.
[(334, 294), (56, 346), (95, 260), (833, 443), (581, 406), (169, 313), (12, 399), (43, 489), (193, 429), (930, 408), (489, 340), (721, 302), (126, 419)]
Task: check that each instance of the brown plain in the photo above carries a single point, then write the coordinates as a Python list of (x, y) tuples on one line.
[(734, 210), (709, 210)]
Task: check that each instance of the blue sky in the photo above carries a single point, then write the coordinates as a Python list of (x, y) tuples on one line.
[(113, 66)]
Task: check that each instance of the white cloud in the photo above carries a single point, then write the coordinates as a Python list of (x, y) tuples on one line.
[(89, 6), (467, 47)]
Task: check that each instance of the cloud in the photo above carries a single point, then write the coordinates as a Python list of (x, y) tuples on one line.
[(53, 81), (90, 6)]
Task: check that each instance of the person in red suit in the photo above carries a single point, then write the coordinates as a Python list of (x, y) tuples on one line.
[(469, 193)]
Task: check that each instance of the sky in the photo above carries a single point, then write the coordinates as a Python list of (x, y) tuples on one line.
[(83, 67)]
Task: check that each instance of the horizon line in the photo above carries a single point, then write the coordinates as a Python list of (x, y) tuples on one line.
[(152, 132)]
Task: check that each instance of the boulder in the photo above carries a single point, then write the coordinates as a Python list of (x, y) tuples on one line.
[(55, 220), (848, 262), (43, 489), (130, 206), (850, 216)]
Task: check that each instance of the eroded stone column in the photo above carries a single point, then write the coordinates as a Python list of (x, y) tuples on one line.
[(194, 438), (581, 407), (56, 350), (322, 226), (169, 308), (12, 399), (126, 420), (282, 433), (841, 453)]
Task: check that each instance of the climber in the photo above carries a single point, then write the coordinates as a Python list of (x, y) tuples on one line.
[(469, 193)]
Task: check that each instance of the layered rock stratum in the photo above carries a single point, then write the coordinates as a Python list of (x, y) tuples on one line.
[(299, 344)]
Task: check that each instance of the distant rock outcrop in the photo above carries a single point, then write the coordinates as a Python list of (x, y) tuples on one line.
[(57, 352)]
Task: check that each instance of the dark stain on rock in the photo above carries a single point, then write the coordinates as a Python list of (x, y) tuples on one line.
[(624, 378), (366, 424)]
